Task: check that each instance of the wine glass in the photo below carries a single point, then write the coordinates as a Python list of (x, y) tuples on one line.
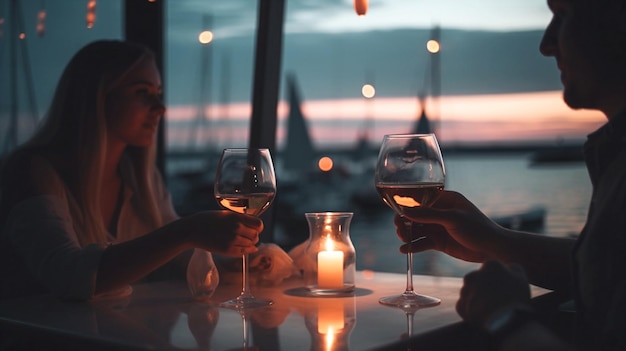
[(245, 183), (409, 173)]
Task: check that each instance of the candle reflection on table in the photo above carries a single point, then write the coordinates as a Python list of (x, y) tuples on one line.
[(330, 316), (331, 323)]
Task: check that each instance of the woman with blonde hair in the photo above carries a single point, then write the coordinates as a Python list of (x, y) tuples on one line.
[(83, 208)]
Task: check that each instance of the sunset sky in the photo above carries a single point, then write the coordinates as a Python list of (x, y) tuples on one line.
[(495, 84), (338, 16), (497, 118), (496, 88)]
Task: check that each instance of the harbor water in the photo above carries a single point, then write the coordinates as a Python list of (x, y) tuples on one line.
[(498, 184)]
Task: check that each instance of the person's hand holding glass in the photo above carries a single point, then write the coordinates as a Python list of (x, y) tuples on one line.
[(409, 173), (245, 183)]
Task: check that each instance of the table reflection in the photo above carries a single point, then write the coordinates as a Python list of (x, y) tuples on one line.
[(202, 321), (164, 316)]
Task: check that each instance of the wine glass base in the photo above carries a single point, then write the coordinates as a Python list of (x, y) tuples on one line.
[(409, 301), (240, 303)]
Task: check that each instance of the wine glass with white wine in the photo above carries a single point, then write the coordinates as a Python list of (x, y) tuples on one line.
[(245, 183), (409, 173)]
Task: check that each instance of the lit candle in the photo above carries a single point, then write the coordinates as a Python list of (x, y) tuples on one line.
[(330, 267)]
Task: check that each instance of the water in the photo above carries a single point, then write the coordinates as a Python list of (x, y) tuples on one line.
[(498, 185), (503, 184)]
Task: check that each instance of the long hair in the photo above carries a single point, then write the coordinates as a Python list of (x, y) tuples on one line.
[(76, 128)]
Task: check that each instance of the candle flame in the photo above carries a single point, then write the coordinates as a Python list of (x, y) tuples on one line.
[(329, 244)]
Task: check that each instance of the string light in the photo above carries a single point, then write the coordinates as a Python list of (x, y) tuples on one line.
[(41, 20), (360, 6), (91, 13), (368, 91), (433, 46)]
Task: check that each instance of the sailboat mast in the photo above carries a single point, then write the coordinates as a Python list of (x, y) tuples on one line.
[(435, 75), (368, 131), (206, 67), (15, 40), (11, 139), (224, 97), (432, 71)]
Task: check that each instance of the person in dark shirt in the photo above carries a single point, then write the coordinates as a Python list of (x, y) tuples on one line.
[(587, 38)]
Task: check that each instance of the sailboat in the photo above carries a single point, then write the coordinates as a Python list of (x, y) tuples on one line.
[(366, 198), (422, 125), (302, 185), (299, 153)]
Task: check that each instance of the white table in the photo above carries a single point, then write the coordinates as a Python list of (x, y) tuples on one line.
[(162, 316)]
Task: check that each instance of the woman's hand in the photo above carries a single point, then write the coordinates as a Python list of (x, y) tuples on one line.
[(490, 289), (452, 225), (223, 232)]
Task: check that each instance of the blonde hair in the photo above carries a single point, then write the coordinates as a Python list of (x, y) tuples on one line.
[(75, 127)]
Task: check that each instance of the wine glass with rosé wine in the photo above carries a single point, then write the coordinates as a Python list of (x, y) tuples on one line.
[(409, 173)]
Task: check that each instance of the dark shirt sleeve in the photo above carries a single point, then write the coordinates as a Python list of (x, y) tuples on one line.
[(40, 230)]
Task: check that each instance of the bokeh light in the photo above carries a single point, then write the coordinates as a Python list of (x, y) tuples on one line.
[(368, 91), (433, 46), (325, 164), (205, 37)]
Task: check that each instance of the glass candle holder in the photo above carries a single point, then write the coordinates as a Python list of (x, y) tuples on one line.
[(331, 253)]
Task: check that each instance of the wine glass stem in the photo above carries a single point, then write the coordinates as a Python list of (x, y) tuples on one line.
[(245, 288), (409, 273), (409, 263)]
